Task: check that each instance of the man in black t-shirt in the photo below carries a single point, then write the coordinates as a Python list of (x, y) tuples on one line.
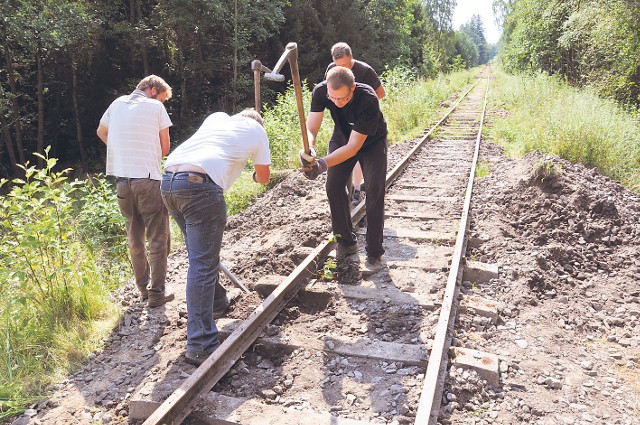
[(363, 73), (359, 134), (342, 56)]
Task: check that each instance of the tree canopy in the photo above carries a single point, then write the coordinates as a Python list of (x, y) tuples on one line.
[(64, 61), (588, 42)]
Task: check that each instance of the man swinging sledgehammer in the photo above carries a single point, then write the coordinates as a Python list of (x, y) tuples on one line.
[(357, 120)]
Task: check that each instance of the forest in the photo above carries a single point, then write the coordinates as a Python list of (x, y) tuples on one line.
[(593, 43), (63, 62)]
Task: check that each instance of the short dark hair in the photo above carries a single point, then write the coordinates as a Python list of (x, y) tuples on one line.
[(340, 50), (339, 76), (253, 114)]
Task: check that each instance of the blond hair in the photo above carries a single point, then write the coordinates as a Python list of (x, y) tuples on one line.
[(339, 76), (253, 114), (151, 81), (340, 50)]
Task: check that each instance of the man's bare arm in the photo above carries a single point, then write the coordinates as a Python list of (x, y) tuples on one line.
[(165, 141), (102, 133)]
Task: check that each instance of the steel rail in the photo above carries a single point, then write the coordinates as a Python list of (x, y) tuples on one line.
[(184, 399), (429, 405)]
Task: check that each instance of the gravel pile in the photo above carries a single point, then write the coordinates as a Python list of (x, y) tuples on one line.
[(567, 243)]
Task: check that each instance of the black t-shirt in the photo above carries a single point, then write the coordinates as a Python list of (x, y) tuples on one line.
[(361, 114), (362, 72)]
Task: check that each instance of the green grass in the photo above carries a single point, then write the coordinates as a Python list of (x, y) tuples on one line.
[(59, 263), (546, 114), (482, 169), (412, 104)]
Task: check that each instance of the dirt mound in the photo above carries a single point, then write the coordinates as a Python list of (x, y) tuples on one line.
[(567, 243)]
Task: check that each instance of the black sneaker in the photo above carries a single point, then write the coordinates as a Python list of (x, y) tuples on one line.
[(196, 359)]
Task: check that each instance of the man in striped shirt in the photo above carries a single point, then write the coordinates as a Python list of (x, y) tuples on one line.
[(135, 129)]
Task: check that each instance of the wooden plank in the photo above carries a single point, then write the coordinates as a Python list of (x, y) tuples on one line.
[(411, 234), (431, 184), (429, 265), (411, 354), (424, 215), (417, 198), (320, 291), (387, 295)]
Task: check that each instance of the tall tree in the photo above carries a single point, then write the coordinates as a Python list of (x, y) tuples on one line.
[(442, 14), (474, 29), (5, 133), (74, 30), (12, 76)]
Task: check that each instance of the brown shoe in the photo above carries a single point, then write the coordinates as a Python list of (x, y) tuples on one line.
[(343, 250), (144, 293), (157, 301), (372, 266)]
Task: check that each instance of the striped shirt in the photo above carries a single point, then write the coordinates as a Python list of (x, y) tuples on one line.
[(133, 142)]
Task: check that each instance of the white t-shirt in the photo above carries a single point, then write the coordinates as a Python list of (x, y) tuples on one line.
[(222, 145), (133, 141)]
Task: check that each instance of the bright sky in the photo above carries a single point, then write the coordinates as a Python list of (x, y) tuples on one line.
[(466, 8)]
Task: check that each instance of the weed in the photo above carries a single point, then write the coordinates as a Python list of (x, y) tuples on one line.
[(545, 171), (327, 269), (482, 170)]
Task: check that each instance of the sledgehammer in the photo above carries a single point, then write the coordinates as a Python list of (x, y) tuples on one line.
[(291, 54), (257, 68)]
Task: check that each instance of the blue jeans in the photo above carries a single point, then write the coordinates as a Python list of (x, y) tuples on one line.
[(201, 213)]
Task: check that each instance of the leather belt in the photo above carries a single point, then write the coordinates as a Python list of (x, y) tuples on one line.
[(192, 176)]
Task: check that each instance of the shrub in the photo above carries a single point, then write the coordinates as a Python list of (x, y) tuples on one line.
[(54, 294), (283, 129)]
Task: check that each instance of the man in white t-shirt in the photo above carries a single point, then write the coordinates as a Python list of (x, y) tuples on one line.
[(135, 129), (197, 173)]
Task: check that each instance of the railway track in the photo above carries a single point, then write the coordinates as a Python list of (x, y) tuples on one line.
[(371, 351)]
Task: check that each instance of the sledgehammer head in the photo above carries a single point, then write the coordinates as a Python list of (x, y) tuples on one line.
[(272, 76)]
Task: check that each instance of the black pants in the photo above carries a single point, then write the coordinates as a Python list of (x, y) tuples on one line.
[(373, 160)]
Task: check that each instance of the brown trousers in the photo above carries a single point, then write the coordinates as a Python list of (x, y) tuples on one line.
[(141, 204)]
